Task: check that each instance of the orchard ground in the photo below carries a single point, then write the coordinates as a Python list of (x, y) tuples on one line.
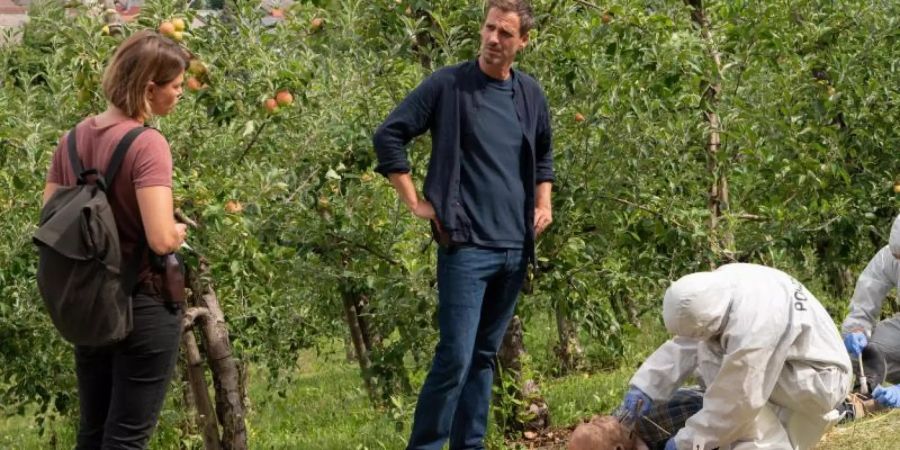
[(297, 225), (321, 405)]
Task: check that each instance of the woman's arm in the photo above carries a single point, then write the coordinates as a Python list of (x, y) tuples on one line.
[(49, 189), (157, 213)]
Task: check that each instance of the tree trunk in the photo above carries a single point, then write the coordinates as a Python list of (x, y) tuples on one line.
[(349, 352), (359, 342), (630, 310), (624, 308), (189, 423), (721, 242), (423, 42), (370, 338), (533, 414), (226, 373), (616, 302), (568, 349), (845, 282), (197, 381)]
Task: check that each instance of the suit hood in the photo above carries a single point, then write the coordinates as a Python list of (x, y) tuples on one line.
[(695, 306)]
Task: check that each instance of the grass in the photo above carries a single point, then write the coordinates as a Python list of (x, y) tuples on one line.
[(322, 408), (321, 405), (878, 432), (20, 432)]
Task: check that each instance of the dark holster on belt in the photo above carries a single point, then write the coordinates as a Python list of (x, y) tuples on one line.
[(169, 276)]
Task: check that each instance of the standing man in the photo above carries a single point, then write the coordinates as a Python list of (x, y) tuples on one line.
[(862, 328), (486, 196)]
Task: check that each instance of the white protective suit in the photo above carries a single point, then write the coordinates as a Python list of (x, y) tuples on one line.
[(874, 283), (770, 356)]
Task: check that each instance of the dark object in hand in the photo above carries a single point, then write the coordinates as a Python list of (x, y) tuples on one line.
[(169, 276)]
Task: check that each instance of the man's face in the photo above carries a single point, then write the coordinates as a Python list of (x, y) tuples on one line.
[(500, 38)]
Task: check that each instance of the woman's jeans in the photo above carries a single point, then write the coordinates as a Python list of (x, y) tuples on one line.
[(477, 292), (121, 387)]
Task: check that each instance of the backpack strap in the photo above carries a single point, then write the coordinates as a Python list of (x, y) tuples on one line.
[(118, 156), (74, 161), (105, 179), (130, 274)]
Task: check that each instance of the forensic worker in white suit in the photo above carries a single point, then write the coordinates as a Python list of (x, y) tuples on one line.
[(770, 358), (862, 328)]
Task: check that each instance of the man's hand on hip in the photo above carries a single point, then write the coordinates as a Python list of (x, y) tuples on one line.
[(424, 210), (420, 207)]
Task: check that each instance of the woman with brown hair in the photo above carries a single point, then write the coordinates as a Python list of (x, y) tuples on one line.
[(121, 386)]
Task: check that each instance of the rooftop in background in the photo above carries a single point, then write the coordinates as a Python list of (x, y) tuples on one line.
[(12, 16), (9, 7)]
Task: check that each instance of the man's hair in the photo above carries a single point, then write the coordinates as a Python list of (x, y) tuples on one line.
[(522, 8), (144, 57)]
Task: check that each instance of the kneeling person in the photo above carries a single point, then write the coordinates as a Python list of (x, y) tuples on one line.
[(861, 332), (768, 354)]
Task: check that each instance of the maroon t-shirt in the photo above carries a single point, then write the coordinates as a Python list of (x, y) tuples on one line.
[(147, 163)]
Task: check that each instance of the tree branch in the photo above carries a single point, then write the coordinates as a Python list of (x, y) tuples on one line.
[(643, 208), (252, 141), (589, 4), (364, 247), (183, 218)]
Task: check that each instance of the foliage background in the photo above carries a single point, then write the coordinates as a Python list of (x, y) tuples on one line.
[(809, 107)]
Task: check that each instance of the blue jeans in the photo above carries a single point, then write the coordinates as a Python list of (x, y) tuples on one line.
[(477, 292)]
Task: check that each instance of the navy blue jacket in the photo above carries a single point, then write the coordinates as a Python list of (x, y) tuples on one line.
[(435, 105)]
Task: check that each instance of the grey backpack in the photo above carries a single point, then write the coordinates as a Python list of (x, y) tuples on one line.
[(85, 287)]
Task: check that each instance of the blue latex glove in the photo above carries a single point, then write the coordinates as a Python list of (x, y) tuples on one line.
[(630, 404), (855, 343), (889, 396), (670, 444)]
